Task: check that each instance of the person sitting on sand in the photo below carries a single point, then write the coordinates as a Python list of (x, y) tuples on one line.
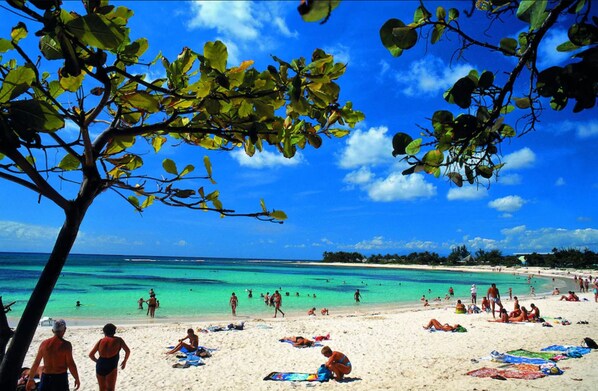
[(324, 311), (522, 317), (485, 304), (108, 349), (298, 341), (534, 313), (191, 346), (337, 362), (312, 312), (516, 308), (460, 308), (473, 309), (503, 316), (572, 297), (438, 326)]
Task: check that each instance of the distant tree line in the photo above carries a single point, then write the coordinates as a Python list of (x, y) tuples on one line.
[(460, 255)]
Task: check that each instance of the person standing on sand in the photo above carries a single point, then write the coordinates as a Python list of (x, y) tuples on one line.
[(233, 303), (277, 299), (57, 354), (357, 296), (108, 349), (474, 293), (494, 298)]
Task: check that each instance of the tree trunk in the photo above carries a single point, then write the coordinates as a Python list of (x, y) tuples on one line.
[(5, 331), (21, 340)]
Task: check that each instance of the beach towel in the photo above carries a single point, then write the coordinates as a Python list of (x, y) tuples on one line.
[(459, 329), (295, 376), (529, 354), (506, 373), (300, 346), (571, 351), (510, 359)]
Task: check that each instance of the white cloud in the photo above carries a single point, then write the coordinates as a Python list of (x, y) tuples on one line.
[(560, 181), (375, 243), (281, 24), (429, 76), (340, 53), (400, 187), (547, 53), (482, 243), (466, 193), (366, 148), (265, 159), (545, 239), (232, 18), (509, 179), (507, 204), (519, 159), (21, 232), (359, 177), (384, 67), (583, 130), (181, 243)]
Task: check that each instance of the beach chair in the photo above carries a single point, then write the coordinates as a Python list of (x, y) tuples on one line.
[(46, 321)]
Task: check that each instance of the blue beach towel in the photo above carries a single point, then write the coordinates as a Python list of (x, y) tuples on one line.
[(510, 359), (571, 351)]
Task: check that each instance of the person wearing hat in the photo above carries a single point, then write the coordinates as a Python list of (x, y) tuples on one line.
[(108, 349), (474, 293), (57, 354)]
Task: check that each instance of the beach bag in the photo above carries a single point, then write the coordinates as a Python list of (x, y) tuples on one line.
[(460, 329), (324, 374), (590, 343)]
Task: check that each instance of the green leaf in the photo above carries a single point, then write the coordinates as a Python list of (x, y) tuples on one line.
[(507, 131), (71, 83), (142, 100), (404, 37), (432, 160), (437, 33), (50, 48), (456, 178), (441, 13), (208, 166), (453, 14), (148, 201), (170, 166), (461, 92), (119, 144), (189, 168), (387, 37), (69, 163), (18, 32), (217, 55), (278, 215), (157, 143), (263, 205), (522, 103), (414, 147), (5, 45), (567, 47), (400, 142), (133, 201), (486, 80), (245, 109), (16, 82), (35, 115), (509, 45), (421, 15), (98, 31), (582, 34), (484, 171), (316, 10)]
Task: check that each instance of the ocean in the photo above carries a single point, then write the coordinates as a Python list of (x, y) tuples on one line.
[(109, 286)]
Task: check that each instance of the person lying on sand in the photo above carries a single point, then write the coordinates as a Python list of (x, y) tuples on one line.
[(438, 326), (298, 341), (572, 297), (192, 345), (521, 317)]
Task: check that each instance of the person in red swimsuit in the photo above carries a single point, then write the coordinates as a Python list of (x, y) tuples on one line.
[(337, 362)]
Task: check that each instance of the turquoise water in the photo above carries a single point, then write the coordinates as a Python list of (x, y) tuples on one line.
[(109, 286)]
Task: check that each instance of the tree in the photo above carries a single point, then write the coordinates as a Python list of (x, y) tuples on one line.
[(100, 87), (457, 254), (465, 145)]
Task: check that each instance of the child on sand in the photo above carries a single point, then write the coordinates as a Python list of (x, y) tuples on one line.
[(337, 362)]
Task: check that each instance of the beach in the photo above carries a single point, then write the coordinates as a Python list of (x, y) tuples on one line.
[(388, 348)]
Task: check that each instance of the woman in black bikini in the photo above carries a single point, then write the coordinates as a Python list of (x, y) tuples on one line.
[(107, 362)]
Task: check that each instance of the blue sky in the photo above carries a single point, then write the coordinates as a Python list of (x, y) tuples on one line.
[(349, 195)]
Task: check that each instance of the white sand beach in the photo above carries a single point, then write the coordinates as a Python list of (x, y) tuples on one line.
[(388, 348)]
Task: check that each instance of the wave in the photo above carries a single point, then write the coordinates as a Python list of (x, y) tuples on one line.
[(140, 260)]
